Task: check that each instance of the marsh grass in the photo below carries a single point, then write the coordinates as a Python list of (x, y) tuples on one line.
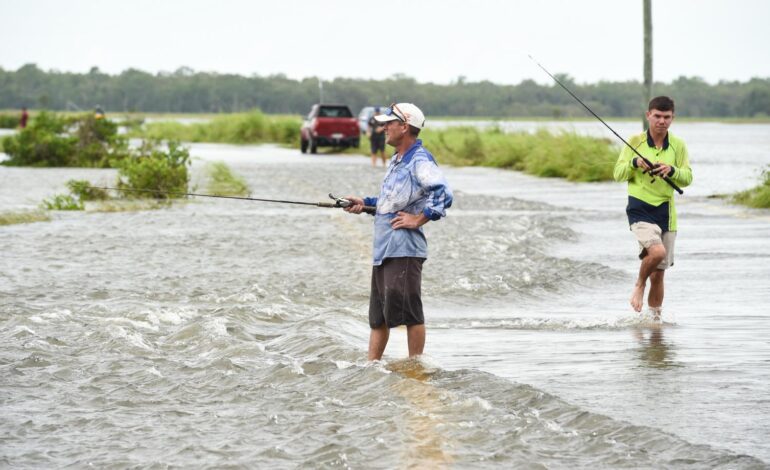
[(240, 128), (9, 121), (23, 217), (562, 155), (63, 202), (758, 197), (223, 182), (127, 205)]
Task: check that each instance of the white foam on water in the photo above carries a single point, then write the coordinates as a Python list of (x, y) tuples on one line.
[(539, 323), (23, 329), (216, 326), (133, 338), (48, 317)]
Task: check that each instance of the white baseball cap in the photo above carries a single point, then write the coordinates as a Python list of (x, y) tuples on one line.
[(406, 112)]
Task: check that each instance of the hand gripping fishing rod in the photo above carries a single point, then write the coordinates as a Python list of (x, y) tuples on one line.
[(648, 162), (338, 201)]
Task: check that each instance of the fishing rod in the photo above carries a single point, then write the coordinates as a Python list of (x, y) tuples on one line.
[(338, 201), (648, 162)]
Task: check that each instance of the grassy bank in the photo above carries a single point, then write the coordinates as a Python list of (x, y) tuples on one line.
[(242, 128), (758, 197), (563, 155), (24, 217)]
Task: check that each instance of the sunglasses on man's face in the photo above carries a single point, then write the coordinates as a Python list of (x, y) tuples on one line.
[(393, 110)]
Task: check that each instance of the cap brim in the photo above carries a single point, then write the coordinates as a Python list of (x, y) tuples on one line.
[(384, 118)]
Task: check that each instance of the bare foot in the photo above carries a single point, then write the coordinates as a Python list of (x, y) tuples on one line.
[(637, 297)]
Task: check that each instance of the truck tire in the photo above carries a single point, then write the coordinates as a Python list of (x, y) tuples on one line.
[(313, 146), (303, 145)]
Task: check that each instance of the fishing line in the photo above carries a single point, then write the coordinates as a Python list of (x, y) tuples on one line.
[(338, 201), (649, 163)]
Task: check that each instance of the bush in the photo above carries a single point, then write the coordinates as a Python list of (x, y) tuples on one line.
[(54, 141), (83, 190), (9, 121), (41, 143), (159, 173), (98, 142)]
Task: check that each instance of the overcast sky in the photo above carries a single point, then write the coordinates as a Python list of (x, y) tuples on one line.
[(429, 40)]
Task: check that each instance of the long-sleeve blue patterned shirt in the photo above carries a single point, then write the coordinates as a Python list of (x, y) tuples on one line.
[(412, 184)]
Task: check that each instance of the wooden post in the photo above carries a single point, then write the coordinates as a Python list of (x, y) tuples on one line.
[(647, 56)]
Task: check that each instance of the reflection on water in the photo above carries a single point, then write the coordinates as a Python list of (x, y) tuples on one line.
[(426, 446), (654, 350)]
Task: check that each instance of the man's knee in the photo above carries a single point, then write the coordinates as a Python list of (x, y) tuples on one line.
[(657, 252)]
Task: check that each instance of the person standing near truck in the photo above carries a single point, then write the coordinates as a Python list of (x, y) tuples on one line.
[(24, 117), (376, 132)]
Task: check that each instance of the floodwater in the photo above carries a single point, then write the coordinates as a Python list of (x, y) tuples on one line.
[(224, 333)]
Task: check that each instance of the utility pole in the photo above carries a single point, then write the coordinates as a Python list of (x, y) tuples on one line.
[(647, 55), (320, 91)]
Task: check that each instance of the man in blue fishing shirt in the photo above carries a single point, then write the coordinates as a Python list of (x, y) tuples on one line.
[(414, 192)]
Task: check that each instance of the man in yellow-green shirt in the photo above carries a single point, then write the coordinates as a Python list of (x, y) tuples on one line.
[(651, 212)]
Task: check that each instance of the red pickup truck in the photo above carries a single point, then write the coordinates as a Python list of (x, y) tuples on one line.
[(329, 125)]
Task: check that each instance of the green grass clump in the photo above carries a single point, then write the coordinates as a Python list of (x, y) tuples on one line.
[(63, 202), (758, 197), (25, 217), (223, 182), (240, 128), (152, 168), (563, 155)]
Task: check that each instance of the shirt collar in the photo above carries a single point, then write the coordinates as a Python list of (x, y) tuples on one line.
[(409, 153), (651, 142)]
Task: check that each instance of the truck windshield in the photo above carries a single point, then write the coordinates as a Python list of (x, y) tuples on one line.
[(334, 111)]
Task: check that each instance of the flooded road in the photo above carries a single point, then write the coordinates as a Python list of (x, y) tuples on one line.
[(227, 333)]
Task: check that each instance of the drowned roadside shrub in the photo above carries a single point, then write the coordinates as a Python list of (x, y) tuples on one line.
[(155, 171), (51, 140)]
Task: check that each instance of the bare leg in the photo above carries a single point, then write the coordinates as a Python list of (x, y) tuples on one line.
[(415, 335), (374, 159), (655, 298), (655, 255), (384, 158), (378, 339)]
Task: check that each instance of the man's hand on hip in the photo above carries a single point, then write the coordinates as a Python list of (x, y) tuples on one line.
[(408, 221)]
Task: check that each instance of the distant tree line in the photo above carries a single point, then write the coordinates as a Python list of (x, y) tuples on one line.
[(187, 91)]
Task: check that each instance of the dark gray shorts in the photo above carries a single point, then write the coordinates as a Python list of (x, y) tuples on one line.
[(395, 297)]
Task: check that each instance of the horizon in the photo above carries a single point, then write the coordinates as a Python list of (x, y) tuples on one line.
[(279, 75)]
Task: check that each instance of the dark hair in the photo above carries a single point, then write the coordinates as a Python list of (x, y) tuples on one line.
[(661, 103), (414, 131)]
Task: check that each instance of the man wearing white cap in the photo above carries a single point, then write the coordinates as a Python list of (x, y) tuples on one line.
[(413, 192)]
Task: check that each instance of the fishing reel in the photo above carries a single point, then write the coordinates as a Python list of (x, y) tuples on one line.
[(340, 201)]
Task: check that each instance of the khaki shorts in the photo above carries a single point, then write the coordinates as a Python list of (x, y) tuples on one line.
[(648, 234)]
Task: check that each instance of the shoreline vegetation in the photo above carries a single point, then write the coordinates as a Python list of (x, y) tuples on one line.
[(757, 197), (544, 153), (186, 90)]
